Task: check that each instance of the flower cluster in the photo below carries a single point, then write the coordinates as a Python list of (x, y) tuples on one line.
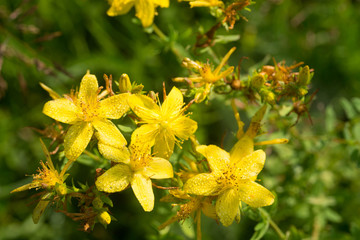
[(212, 181), (217, 190)]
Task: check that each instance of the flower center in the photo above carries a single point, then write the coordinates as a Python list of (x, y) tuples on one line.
[(89, 109)]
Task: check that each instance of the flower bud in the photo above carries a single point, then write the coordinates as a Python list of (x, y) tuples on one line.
[(97, 203), (302, 91), (104, 218), (267, 96), (124, 83), (257, 81), (304, 76), (61, 189)]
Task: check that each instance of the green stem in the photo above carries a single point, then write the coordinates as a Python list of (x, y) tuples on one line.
[(93, 156), (176, 48), (273, 224), (159, 33), (277, 229)]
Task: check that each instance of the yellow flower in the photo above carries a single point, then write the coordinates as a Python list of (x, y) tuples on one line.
[(48, 179), (145, 9), (233, 179), (205, 74), (162, 123), (85, 112), (205, 3), (138, 173)]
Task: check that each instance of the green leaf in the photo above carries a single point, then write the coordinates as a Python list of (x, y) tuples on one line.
[(107, 200), (260, 230), (348, 108), (356, 103), (330, 119), (356, 131), (332, 216), (187, 228), (222, 39)]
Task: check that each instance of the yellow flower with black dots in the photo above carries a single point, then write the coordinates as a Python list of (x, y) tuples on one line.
[(138, 173), (86, 112), (162, 124)]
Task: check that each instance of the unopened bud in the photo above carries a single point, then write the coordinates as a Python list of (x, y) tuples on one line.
[(257, 81), (302, 91), (304, 76), (267, 96), (236, 84), (104, 218), (268, 69), (124, 83), (97, 203), (61, 189)]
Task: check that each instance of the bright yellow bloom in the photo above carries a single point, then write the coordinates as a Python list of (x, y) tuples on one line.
[(138, 173), (233, 175), (233, 179), (145, 9), (205, 3), (85, 112), (162, 123), (205, 74)]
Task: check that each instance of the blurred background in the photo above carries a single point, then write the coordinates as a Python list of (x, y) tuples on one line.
[(316, 176)]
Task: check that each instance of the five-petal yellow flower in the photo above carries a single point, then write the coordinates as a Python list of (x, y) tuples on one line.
[(138, 173), (162, 123), (145, 9), (233, 179), (85, 112)]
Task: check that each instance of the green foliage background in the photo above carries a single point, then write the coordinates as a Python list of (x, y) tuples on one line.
[(316, 176)]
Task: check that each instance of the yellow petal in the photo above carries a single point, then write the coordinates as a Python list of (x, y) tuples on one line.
[(52, 93), (26, 187), (227, 206), (227, 56), (255, 195), (183, 127), (108, 133), (144, 107), (115, 179), (114, 154), (76, 139), (203, 184), (251, 165), (145, 11), (159, 168), (119, 7), (255, 123), (242, 148), (62, 110), (88, 87), (164, 144), (143, 191), (208, 209), (162, 3), (173, 103), (145, 133), (218, 158), (115, 106)]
